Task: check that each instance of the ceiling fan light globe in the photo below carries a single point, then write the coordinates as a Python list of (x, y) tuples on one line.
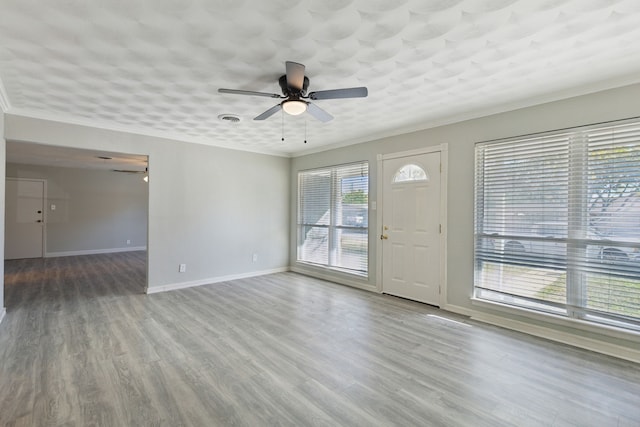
[(294, 107)]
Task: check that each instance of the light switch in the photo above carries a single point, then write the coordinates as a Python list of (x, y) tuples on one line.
[(53, 207)]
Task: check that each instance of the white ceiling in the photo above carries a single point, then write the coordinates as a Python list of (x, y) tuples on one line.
[(155, 66)]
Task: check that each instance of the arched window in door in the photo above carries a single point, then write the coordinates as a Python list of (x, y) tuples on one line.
[(410, 172)]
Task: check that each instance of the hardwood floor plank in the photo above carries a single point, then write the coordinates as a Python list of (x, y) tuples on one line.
[(82, 345)]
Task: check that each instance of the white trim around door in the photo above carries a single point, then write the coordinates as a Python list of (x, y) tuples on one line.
[(443, 149)]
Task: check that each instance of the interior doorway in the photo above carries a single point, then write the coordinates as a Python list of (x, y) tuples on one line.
[(90, 203)]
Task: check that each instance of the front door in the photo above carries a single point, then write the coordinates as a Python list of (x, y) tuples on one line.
[(24, 218), (411, 227)]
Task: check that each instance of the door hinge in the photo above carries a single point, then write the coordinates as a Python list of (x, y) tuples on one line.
[(440, 228), (440, 167)]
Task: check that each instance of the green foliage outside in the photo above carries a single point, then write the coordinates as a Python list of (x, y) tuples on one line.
[(358, 197)]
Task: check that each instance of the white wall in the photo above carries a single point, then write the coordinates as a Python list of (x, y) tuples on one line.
[(210, 208), (96, 210), (598, 107)]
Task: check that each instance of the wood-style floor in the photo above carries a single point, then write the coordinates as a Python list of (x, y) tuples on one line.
[(81, 345)]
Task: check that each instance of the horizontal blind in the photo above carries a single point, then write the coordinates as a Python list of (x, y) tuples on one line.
[(314, 203), (613, 210), (557, 222), (333, 216), (521, 215)]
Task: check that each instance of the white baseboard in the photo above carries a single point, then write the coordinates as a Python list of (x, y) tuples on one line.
[(95, 251), (212, 280), (2, 313), (458, 310), (586, 343)]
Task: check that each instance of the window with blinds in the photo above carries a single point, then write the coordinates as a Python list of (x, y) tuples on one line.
[(557, 223), (333, 217)]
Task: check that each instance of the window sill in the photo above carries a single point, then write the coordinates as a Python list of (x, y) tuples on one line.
[(334, 275), (591, 327), (345, 271)]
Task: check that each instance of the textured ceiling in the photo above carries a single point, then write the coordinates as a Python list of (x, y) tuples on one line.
[(50, 155), (155, 66)]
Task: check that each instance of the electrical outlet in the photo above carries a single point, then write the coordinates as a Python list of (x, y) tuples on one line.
[(255, 257), (182, 268)]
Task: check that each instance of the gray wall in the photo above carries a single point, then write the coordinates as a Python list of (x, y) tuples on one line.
[(95, 210), (209, 207), (3, 154), (598, 107)]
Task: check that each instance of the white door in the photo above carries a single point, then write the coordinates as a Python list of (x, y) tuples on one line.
[(24, 218), (411, 227)]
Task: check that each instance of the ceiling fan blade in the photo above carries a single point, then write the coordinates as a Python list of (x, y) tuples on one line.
[(318, 113), (270, 112), (352, 92), (295, 75), (249, 92)]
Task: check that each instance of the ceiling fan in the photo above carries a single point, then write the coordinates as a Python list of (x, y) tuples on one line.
[(294, 86)]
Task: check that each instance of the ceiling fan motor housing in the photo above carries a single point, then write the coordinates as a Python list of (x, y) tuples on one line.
[(290, 91)]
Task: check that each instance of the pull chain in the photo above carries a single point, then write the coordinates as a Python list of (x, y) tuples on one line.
[(282, 124), (305, 130)]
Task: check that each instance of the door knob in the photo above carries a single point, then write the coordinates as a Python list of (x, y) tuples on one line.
[(39, 220), (383, 237)]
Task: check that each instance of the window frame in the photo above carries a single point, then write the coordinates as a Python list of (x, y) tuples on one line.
[(332, 227), (576, 307)]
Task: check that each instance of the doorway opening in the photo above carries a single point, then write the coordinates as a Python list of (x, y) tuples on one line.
[(75, 219)]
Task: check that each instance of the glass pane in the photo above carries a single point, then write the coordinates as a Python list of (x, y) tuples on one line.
[(524, 189), (352, 249), (614, 190), (613, 211), (352, 198), (315, 197), (557, 223), (333, 217), (313, 245), (521, 221), (354, 215), (613, 279), (535, 253), (614, 294), (409, 173), (521, 280)]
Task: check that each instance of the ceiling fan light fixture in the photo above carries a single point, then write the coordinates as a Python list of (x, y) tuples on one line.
[(294, 107)]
